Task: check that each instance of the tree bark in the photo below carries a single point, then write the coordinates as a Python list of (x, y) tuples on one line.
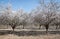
[(13, 30), (46, 31), (57, 26), (23, 26), (46, 28), (39, 26), (13, 27)]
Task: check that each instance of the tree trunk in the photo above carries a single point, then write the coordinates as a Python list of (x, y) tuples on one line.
[(13, 27), (23, 26), (46, 28), (57, 27), (39, 26), (13, 30)]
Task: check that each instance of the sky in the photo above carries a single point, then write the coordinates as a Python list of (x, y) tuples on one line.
[(26, 5)]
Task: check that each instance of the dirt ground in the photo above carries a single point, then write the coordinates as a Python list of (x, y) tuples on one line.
[(8, 34), (49, 36)]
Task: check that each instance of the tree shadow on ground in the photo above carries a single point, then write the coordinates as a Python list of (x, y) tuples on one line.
[(35, 33), (4, 32), (27, 33)]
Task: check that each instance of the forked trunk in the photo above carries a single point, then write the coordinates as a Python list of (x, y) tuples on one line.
[(13, 27)]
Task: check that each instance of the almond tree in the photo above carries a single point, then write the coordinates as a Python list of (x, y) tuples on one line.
[(56, 22), (49, 13), (24, 20), (13, 22), (8, 18), (38, 19)]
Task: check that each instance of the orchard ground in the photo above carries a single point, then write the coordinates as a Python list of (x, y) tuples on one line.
[(10, 36), (26, 34)]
